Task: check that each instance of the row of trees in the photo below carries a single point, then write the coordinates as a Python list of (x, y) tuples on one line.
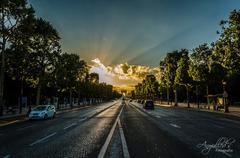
[(148, 88), (31, 56), (207, 69)]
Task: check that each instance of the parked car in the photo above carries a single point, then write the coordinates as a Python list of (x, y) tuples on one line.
[(42, 112), (148, 104)]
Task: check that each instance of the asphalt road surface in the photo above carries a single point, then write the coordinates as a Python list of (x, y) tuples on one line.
[(117, 130)]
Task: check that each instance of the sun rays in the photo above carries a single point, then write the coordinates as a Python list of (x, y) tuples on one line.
[(122, 75)]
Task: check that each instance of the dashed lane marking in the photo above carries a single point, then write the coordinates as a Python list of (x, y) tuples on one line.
[(73, 124), (174, 125), (42, 139), (82, 119)]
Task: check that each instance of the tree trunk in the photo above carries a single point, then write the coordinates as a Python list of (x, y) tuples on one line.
[(168, 96), (70, 97), (176, 100), (30, 103), (197, 96), (226, 109), (161, 97), (78, 98), (188, 105), (38, 93), (2, 73), (21, 95), (207, 91), (58, 101)]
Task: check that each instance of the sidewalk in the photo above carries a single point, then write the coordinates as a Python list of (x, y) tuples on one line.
[(13, 115), (233, 110), (63, 108)]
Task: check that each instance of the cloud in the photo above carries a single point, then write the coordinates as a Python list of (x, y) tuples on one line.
[(122, 74), (104, 74)]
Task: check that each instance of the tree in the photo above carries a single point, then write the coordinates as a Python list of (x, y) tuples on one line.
[(151, 86), (12, 13), (94, 77), (18, 68), (45, 49), (198, 67), (17, 55), (162, 81), (138, 90), (132, 94), (170, 65), (182, 77), (68, 73), (227, 48)]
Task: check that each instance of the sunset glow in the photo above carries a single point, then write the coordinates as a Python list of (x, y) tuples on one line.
[(122, 75)]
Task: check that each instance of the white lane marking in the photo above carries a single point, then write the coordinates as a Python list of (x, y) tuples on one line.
[(42, 139), (26, 127), (73, 124), (7, 156), (82, 119), (124, 143), (174, 125), (109, 137), (98, 111)]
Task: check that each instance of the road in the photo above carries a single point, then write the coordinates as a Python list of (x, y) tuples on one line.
[(116, 130)]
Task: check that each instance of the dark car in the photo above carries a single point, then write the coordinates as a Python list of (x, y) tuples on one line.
[(142, 102), (149, 104), (139, 101)]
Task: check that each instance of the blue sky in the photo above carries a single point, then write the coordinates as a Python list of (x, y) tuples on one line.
[(135, 31)]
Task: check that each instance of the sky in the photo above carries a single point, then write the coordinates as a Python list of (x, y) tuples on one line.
[(112, 33)]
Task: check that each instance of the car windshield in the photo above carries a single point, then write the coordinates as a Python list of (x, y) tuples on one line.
[(39, 108)]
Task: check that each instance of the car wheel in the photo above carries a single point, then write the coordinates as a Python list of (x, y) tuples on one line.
[(45, 116)]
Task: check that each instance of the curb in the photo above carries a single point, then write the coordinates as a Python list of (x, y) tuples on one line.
[(15, 118), (57, 111), (202, 110)]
